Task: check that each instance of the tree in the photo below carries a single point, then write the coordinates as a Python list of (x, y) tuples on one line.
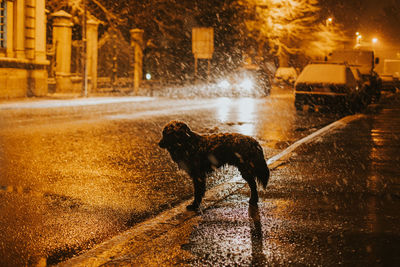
[(290, 27), (391, 20), (325, 38), (167, 26)]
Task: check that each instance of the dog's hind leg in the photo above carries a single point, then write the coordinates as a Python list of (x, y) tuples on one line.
[(253, 192), (250, 179), (199, 185)]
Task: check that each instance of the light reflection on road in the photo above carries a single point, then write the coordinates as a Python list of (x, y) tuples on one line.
[(270, 118), (246, 108), (223, 109), (239, 110)]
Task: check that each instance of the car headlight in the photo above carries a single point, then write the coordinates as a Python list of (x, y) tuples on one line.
[(224, 84), (247, 84)]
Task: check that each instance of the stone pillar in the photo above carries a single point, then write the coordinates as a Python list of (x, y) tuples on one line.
[(10, 29), (19, 36), (40, 31), (62, 38), (137, 44), (30, 29), (92, 51), (37, 81)]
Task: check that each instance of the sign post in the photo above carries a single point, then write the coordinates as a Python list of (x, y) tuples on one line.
[(202, 46), (137, 44)]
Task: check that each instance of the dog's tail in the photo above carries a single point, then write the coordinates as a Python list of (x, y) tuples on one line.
[(262, 171)]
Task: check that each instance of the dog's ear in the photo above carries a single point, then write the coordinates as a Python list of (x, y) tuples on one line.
[(174, 127), (182, 127), (182, 131), (175, 133)]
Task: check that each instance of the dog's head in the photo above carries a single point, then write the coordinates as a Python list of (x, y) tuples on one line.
[(175, 134)]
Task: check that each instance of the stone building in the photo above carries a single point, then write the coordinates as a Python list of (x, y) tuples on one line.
[(23, 64)]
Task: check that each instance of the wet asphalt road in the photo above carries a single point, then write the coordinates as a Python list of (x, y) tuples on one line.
[(73, 176)]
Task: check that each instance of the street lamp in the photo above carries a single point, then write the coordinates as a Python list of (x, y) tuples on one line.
[(329, 21), (374, 42), (358, 39)]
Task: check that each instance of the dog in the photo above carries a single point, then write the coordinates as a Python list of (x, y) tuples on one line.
[(199, 155)]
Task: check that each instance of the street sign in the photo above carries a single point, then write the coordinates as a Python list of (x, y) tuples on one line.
[(203, 42)]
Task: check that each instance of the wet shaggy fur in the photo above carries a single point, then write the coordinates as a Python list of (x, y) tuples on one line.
[(199, 155)]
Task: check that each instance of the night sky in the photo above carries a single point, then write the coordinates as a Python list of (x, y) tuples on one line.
[(372, 18)]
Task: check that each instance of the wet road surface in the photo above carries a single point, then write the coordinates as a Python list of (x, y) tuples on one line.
[(74, 175)]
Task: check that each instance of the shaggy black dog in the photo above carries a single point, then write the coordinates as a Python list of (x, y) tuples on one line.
[(199, 155)]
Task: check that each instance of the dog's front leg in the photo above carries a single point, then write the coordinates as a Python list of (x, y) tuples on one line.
[(199, 185)]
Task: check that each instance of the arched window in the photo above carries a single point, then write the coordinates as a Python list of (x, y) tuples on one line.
[(3, 26)]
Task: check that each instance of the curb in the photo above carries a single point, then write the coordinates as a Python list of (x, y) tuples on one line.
[(278, 159)]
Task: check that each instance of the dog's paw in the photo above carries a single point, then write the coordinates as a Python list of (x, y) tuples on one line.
[(192, 207)]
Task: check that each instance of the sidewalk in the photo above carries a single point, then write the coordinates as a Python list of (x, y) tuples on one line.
[(64, 100), (332, 199)]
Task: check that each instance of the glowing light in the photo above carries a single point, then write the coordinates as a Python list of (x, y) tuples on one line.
[(224, 84), (374, 40), (148, 76), (246, 84), (358, 39)]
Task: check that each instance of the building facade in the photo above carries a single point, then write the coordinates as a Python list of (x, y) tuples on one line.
[(23, 63)]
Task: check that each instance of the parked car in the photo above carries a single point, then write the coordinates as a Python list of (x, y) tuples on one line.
[(330, 85), (286, 75), (389, 82), (248, 80), (363, 86)]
